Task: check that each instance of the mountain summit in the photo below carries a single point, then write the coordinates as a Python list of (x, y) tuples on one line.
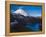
[(21, 11)]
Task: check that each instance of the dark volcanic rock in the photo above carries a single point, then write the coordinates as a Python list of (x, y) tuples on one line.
[(18, 22)]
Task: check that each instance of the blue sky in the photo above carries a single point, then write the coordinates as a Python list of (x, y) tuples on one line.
[(30, 9)]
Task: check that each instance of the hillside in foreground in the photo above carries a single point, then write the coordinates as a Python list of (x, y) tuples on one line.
[(21, 23)]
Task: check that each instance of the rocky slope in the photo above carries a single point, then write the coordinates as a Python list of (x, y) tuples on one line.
[(21, 23)]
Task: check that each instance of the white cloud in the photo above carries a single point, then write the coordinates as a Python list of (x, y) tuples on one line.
[(35, 14)]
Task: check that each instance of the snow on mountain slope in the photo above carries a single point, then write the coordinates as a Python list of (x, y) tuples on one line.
[(21, 11)]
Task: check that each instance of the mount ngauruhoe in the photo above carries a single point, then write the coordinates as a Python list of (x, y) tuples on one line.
[(20, 21)]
